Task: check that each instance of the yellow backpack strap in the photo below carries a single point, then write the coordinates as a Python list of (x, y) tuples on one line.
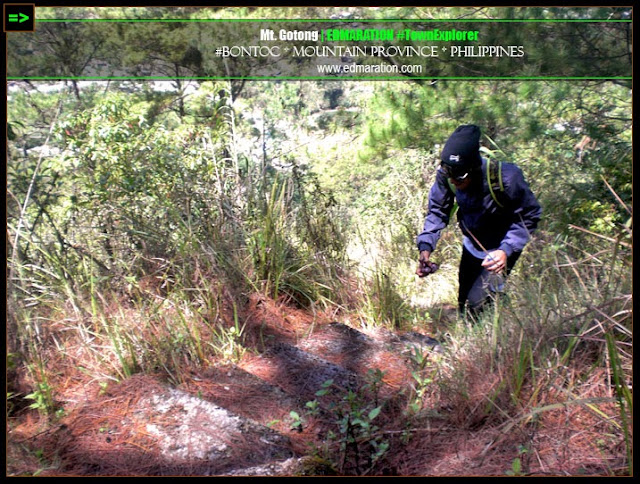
[(452, 187), (491, 167), (454, 209)]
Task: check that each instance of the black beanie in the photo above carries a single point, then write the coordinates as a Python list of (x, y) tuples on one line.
[(462, 149)]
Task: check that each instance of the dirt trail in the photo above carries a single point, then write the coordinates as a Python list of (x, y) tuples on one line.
[(253, 417)]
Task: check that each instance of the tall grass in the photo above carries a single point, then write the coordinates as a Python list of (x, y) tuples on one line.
[(293, 256), (545, 345), (382, 304), (165, 314), (623, 395)]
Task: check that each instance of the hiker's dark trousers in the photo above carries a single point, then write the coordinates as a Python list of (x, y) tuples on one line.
[(478, 286)]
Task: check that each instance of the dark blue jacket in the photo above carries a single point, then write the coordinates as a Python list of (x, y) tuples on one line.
[(479, 216)]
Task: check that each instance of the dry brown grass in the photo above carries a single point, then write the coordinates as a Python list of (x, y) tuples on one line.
[(469, 423)]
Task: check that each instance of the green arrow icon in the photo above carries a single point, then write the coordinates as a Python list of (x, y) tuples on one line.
[(13, 17)]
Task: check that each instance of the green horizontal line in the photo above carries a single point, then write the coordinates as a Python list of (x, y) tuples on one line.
[(352, 20), (314, 78)]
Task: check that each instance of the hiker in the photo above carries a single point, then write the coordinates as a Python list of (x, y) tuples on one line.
[(497, 212)]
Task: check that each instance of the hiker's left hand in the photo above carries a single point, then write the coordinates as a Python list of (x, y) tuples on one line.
[(495, 261)]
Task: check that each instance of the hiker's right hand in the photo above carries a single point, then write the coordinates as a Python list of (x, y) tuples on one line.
[(425, 266)]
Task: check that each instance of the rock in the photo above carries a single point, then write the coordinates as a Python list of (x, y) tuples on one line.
[(419, 341), (187, 428), (289, 467)]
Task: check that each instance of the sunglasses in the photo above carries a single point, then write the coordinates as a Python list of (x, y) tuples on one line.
[(455, 174)]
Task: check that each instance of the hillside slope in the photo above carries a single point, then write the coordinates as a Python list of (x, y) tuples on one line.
[(307, 398)]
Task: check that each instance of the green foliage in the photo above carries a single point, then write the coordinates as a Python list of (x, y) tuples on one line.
[(228, 341), (516, 465), (423, 379), (293, 254), (358, 444), (297, 421), (383, 305), (140, 187), (42, 399), (624, 396), (270, 246), (129, 193), (43, 393)]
